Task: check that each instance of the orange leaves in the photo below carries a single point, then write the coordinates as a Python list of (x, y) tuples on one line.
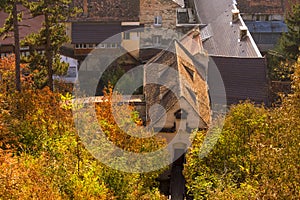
[(21, 178), (56, 165), (123, 126), (7, 75), (8, 63)]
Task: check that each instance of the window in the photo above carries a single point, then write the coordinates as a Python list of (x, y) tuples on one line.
[(91, 46), (85, 46), (81, 46), (157, 21), (192, 94), (257, 18), (72, 71), (156, 40), (102, 45), (126, 35), (180, 114), (190, 72), (267, 18)]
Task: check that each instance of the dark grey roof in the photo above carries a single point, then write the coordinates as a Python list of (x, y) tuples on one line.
[(222, 36), (244, 78), (95, 32), (266, 26)]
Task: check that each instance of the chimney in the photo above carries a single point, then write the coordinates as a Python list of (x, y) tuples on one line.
[(85, 7), (243, 32), (235, 15)]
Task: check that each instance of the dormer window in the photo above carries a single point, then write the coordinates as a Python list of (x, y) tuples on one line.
[(180, 114), (126, 35), (190, 72), (156, 40), (157, 21)]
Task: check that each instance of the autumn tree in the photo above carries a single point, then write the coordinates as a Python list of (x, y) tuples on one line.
[(256, 155), (39, 148), (12, 24), (43, 157), (122, 126), (52, 35)]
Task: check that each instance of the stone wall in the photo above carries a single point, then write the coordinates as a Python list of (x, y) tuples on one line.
[(158, 35), (164, 8), (107, 10)]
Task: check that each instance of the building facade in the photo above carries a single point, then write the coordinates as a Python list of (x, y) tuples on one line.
[(265, 20)]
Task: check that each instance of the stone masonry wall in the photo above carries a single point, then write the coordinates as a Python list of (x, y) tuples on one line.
[(164, 8)]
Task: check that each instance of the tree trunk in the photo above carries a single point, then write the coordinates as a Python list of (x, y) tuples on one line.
[(16, 47), (48, 52)]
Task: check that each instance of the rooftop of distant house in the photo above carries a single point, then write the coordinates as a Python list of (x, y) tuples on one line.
[(220, 35), (262, 6), (244, 79), (27, 26), (108, 10), (177, 85)]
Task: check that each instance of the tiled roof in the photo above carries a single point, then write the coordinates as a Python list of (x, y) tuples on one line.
[(222, 35), (108, 10), (175, 86), (261, 6), (244, 78), (27, 26)]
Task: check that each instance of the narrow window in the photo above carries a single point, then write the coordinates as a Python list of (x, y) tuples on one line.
[(192, 94), (190, 72), (126, 35), (102, 45), (156, 40), (157, 21)]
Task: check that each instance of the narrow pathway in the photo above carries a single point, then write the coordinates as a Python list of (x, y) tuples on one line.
[(177, 185)]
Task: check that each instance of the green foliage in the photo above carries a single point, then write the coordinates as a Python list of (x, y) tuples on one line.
[(287, 50), (257, 154), (52, 36), (12, 25), (290, 41), (120, 80), (111, 76), (7, 6), (230, 161)]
